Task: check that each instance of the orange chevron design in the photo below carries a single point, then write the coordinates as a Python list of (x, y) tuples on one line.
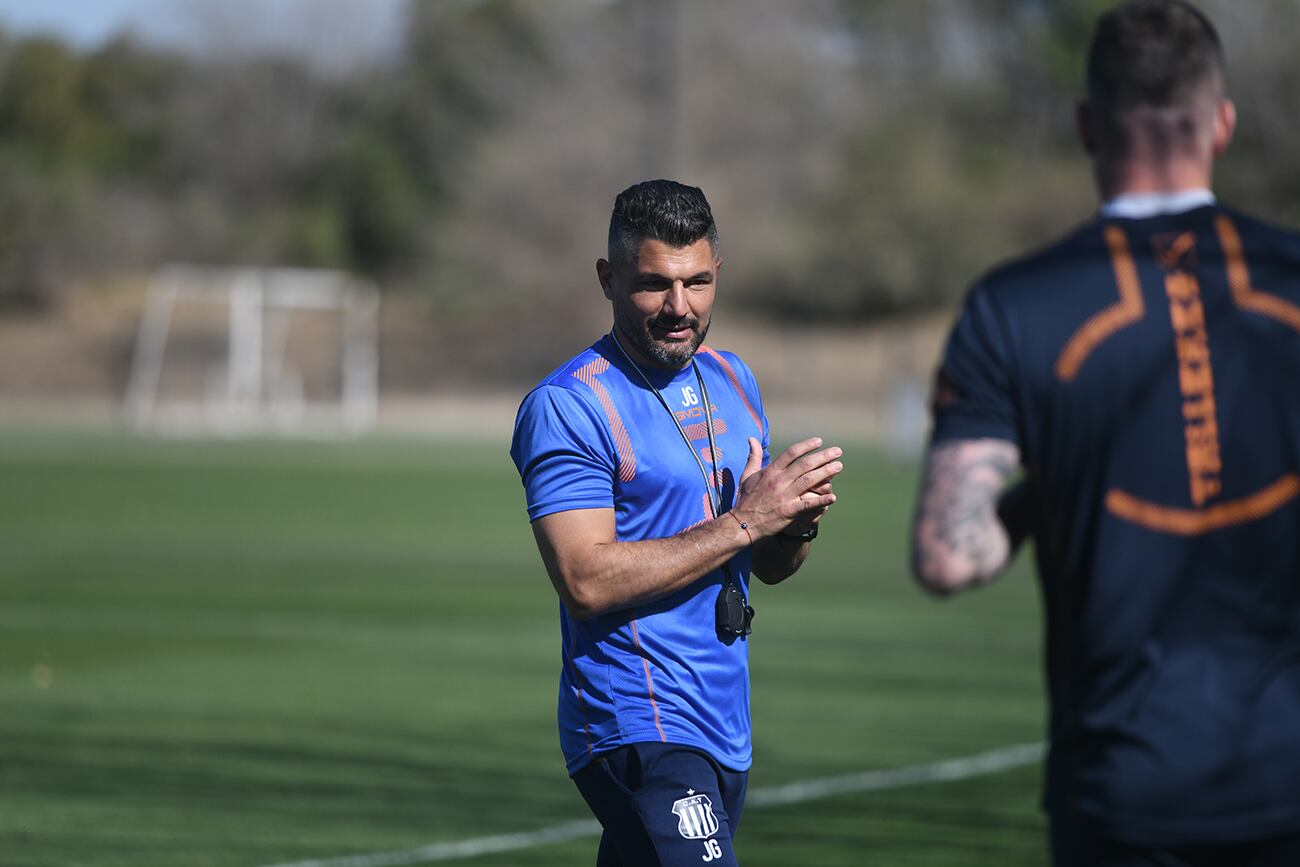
[(735, 383), (700, 431), (1103, 325), (1197, 522), (622, 442), (1243, 294)]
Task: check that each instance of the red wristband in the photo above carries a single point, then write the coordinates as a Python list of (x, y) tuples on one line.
[(744, 525)]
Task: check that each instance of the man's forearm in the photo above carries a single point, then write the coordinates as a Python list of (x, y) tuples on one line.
[(611, 576), (958, 540), (596, 574)]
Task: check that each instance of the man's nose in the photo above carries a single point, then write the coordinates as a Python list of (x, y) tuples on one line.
[(675, 302)]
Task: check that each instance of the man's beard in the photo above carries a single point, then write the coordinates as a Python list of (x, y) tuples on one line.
[(676, 354)]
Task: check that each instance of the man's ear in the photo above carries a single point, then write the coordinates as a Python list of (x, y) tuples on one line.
[(605, 274), (1084, 119), (1225, 123), (717, 266)]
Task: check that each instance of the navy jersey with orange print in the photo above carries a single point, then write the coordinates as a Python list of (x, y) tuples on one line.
[(1149, 371), (592, 435)]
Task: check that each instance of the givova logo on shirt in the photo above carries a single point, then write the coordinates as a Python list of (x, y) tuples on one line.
[(695, 819)]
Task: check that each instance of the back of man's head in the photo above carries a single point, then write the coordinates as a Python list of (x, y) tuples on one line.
[(661, 210), (1154, 54)]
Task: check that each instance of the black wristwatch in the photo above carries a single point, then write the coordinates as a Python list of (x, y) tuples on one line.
[(799, 537)]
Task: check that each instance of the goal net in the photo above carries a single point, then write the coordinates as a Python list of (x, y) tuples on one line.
[(255, 351)]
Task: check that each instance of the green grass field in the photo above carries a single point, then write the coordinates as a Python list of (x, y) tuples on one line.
[(247, 654)]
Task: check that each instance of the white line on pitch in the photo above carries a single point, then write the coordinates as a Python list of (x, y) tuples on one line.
[(949, 770)]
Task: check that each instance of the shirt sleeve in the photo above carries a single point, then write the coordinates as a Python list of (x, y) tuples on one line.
[(563, 453), (973, 391)]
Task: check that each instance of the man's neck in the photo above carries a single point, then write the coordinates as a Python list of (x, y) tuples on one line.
[(1141, 178)]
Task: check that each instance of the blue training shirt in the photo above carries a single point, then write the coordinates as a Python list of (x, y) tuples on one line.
[(1149, 370), (593, 436)]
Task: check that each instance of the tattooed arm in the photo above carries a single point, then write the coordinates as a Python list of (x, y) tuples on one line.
[(959, 539)]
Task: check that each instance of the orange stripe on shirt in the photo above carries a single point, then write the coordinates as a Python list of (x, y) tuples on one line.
[(649, 684), (1103, 325), (735, 383), (622, 442), (1197, 522), (1243, 294)]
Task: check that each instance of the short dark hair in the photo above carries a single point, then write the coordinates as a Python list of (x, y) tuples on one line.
[(1151, 53), (666, 211)]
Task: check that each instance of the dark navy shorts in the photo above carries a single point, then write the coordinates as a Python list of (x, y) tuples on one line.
[(1076, 843), (663, 805)]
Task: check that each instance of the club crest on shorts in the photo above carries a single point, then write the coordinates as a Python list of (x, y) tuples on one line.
[(695, 819)]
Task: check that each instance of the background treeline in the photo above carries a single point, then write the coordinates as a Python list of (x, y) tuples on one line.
[(864, 157)]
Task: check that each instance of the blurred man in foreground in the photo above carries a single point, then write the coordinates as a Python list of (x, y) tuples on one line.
[(644, 459), (1145, 371)]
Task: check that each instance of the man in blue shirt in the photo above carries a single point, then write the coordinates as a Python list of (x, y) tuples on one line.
[(645, 464), (1145, 371)]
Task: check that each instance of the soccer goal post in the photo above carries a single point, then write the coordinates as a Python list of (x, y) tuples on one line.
[(255, 351)]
